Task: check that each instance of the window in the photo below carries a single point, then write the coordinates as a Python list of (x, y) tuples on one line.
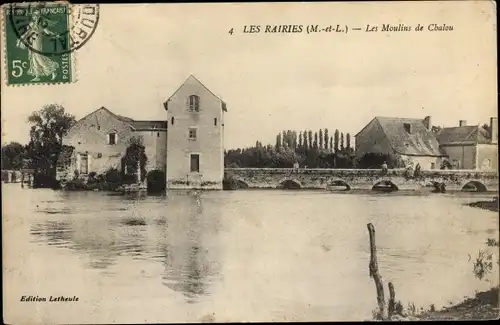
[(215, 121), (433, 165), (195, 163), (112, 138), (172, 120), (194, 103), (157, 134), (84, 163), (192, 134)]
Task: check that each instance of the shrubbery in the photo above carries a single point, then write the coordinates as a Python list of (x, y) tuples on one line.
[(157, 181)]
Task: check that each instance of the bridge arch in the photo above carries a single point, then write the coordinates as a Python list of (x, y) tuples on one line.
[(233, 183), (289, 184), (473, 185), (384, 184), (439, 186), (338, 184), (241, 183)]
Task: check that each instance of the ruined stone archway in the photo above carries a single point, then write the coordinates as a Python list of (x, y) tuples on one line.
[(473, 186), (289, 184)]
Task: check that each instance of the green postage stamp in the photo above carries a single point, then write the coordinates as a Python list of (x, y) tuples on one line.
[(40, 40)]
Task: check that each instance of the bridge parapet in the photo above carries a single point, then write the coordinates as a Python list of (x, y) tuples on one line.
[(360, 178)]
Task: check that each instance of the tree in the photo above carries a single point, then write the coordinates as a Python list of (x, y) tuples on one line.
[(331, 143), (342, 141), (278, 141), (321, 139), (135, 156), (301, 144), (310, 138), (348, 142), (336, 141), (326, 138), (315, 140), (306, 141), (48, 127), (13, 155)]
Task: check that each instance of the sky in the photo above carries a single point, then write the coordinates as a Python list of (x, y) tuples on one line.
[(141, 53)]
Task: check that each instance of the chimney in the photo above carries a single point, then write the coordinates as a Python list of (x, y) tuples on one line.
[(428, 123), (462, 123), (494, 130)]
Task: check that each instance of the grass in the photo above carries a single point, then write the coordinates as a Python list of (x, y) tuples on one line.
[(486, 205), (483, 306)]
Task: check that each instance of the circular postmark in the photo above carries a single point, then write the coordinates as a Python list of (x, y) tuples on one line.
[(53, 28)]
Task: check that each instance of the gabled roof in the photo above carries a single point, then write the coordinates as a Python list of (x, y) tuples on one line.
[(149, 125), (470, 134), (192, 77), (134, 124), (419, 142)]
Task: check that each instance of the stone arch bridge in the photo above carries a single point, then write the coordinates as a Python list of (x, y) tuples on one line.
[(362, 179)]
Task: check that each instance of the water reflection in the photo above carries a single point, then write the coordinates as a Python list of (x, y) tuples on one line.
[(56, 233), (188, 265), (307, 251), (176, 233)]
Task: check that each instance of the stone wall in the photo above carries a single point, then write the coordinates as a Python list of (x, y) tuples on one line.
[(359, 178)]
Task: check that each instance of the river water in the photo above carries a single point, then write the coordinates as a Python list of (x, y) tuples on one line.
[(233, 255)]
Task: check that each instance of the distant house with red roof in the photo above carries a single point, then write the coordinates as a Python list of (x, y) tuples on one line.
[(413, 140)]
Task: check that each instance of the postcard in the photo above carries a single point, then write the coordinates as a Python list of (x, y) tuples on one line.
[(249, 162)]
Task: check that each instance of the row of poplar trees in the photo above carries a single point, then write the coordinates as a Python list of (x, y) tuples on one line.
[(305, 140)]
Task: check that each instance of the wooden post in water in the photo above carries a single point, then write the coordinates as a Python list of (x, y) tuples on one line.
[(392, 300), (374, 273)]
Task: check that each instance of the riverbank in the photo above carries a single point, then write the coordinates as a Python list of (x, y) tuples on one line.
[(483, 306), (486, 205)]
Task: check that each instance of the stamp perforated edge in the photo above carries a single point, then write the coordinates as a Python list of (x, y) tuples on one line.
[(3, 51)]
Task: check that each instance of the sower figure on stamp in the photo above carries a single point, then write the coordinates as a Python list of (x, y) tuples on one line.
[(40, 65)]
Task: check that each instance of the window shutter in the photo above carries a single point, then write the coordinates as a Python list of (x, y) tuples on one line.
[(107, 138), (187, 103)]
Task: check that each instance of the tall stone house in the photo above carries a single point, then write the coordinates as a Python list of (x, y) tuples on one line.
[(195, 142), (416, 141), (188, 146)]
